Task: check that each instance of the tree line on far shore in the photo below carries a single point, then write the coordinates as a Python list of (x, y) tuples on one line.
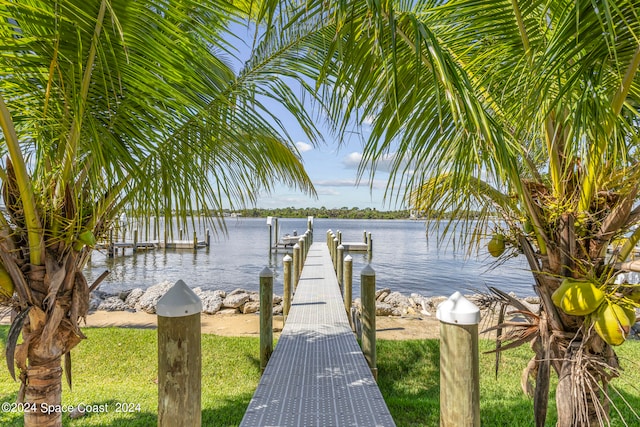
[(341, 213), (323, 212)]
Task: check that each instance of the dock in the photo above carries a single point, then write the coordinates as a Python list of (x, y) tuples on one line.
[(112, 246), (317, 374)]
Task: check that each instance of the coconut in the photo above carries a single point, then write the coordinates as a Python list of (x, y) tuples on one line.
[(578, 297), (612, 323), (6, 284), (496, 245)]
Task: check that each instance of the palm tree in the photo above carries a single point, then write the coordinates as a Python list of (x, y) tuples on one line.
[(523, 109), (109, 105)]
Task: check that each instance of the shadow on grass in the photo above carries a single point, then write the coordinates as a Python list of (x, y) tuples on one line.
[(409, 380)]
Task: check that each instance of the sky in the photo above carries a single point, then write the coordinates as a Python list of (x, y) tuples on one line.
[(333, 169), (331, 165)]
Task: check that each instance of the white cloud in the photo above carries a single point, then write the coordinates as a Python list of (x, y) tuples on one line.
[(328, 192), (303, 146), (352, 160), (335, 183)]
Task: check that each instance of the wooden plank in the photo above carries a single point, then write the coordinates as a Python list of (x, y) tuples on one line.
[(317, 375)]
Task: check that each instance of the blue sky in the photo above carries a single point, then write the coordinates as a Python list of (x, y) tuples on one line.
[(332, 165), (332, 168)]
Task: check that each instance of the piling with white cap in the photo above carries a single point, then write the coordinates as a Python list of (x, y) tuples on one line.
[(368, 300), (287, 270), (347, 273), (266, 316), (179, 357), (459, 362)]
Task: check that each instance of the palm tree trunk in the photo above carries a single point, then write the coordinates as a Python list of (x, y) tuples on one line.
[(49, 332), (579, 396), (43, 394)]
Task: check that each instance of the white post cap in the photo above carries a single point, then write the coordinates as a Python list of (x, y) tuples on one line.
[(458, 310), (179, 301)]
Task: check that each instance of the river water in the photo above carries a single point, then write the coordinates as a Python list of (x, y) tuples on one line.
[(404, 257)]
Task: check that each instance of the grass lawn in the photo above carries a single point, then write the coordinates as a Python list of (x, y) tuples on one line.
[(118, 365)]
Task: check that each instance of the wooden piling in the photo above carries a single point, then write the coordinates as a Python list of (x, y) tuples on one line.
[(195, 240), (111, 248), (179, 357), (335, 254), (302, 251), (135, 240), (340, 265), (286, 266), (347, 273), (368, 298), (459, 362), (297, 268), (266, 317)]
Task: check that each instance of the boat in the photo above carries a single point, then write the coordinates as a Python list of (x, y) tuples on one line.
[(290, 239)]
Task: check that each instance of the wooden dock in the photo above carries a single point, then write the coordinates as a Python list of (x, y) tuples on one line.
[(317, 374)]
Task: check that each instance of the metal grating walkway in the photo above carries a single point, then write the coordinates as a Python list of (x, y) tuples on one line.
[(317, 375)]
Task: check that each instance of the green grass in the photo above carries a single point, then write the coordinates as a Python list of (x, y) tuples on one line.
[(409, 380), (119, 366)]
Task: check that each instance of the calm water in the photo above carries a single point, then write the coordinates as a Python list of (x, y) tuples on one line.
[(403, 258)]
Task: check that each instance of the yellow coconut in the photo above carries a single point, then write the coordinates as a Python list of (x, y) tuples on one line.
[(558, 294), (6, 284), (496, 245), (612, 323), (578, 297)]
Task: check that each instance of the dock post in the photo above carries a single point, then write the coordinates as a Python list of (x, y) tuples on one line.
[(296, 266), (195, 240), (286, 266), (266, 317), (368, 297), (309, 238), (364, 237), (135, 240), (111, 249), (340, 265), (302, 252), (335, 254), (369, 244), (459, 362), (309, 223), (181, 234), (179, 357), (348, 282), (339, 237), (208, 238)]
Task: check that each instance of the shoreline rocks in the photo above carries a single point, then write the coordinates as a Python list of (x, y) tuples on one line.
[(242, 301)]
